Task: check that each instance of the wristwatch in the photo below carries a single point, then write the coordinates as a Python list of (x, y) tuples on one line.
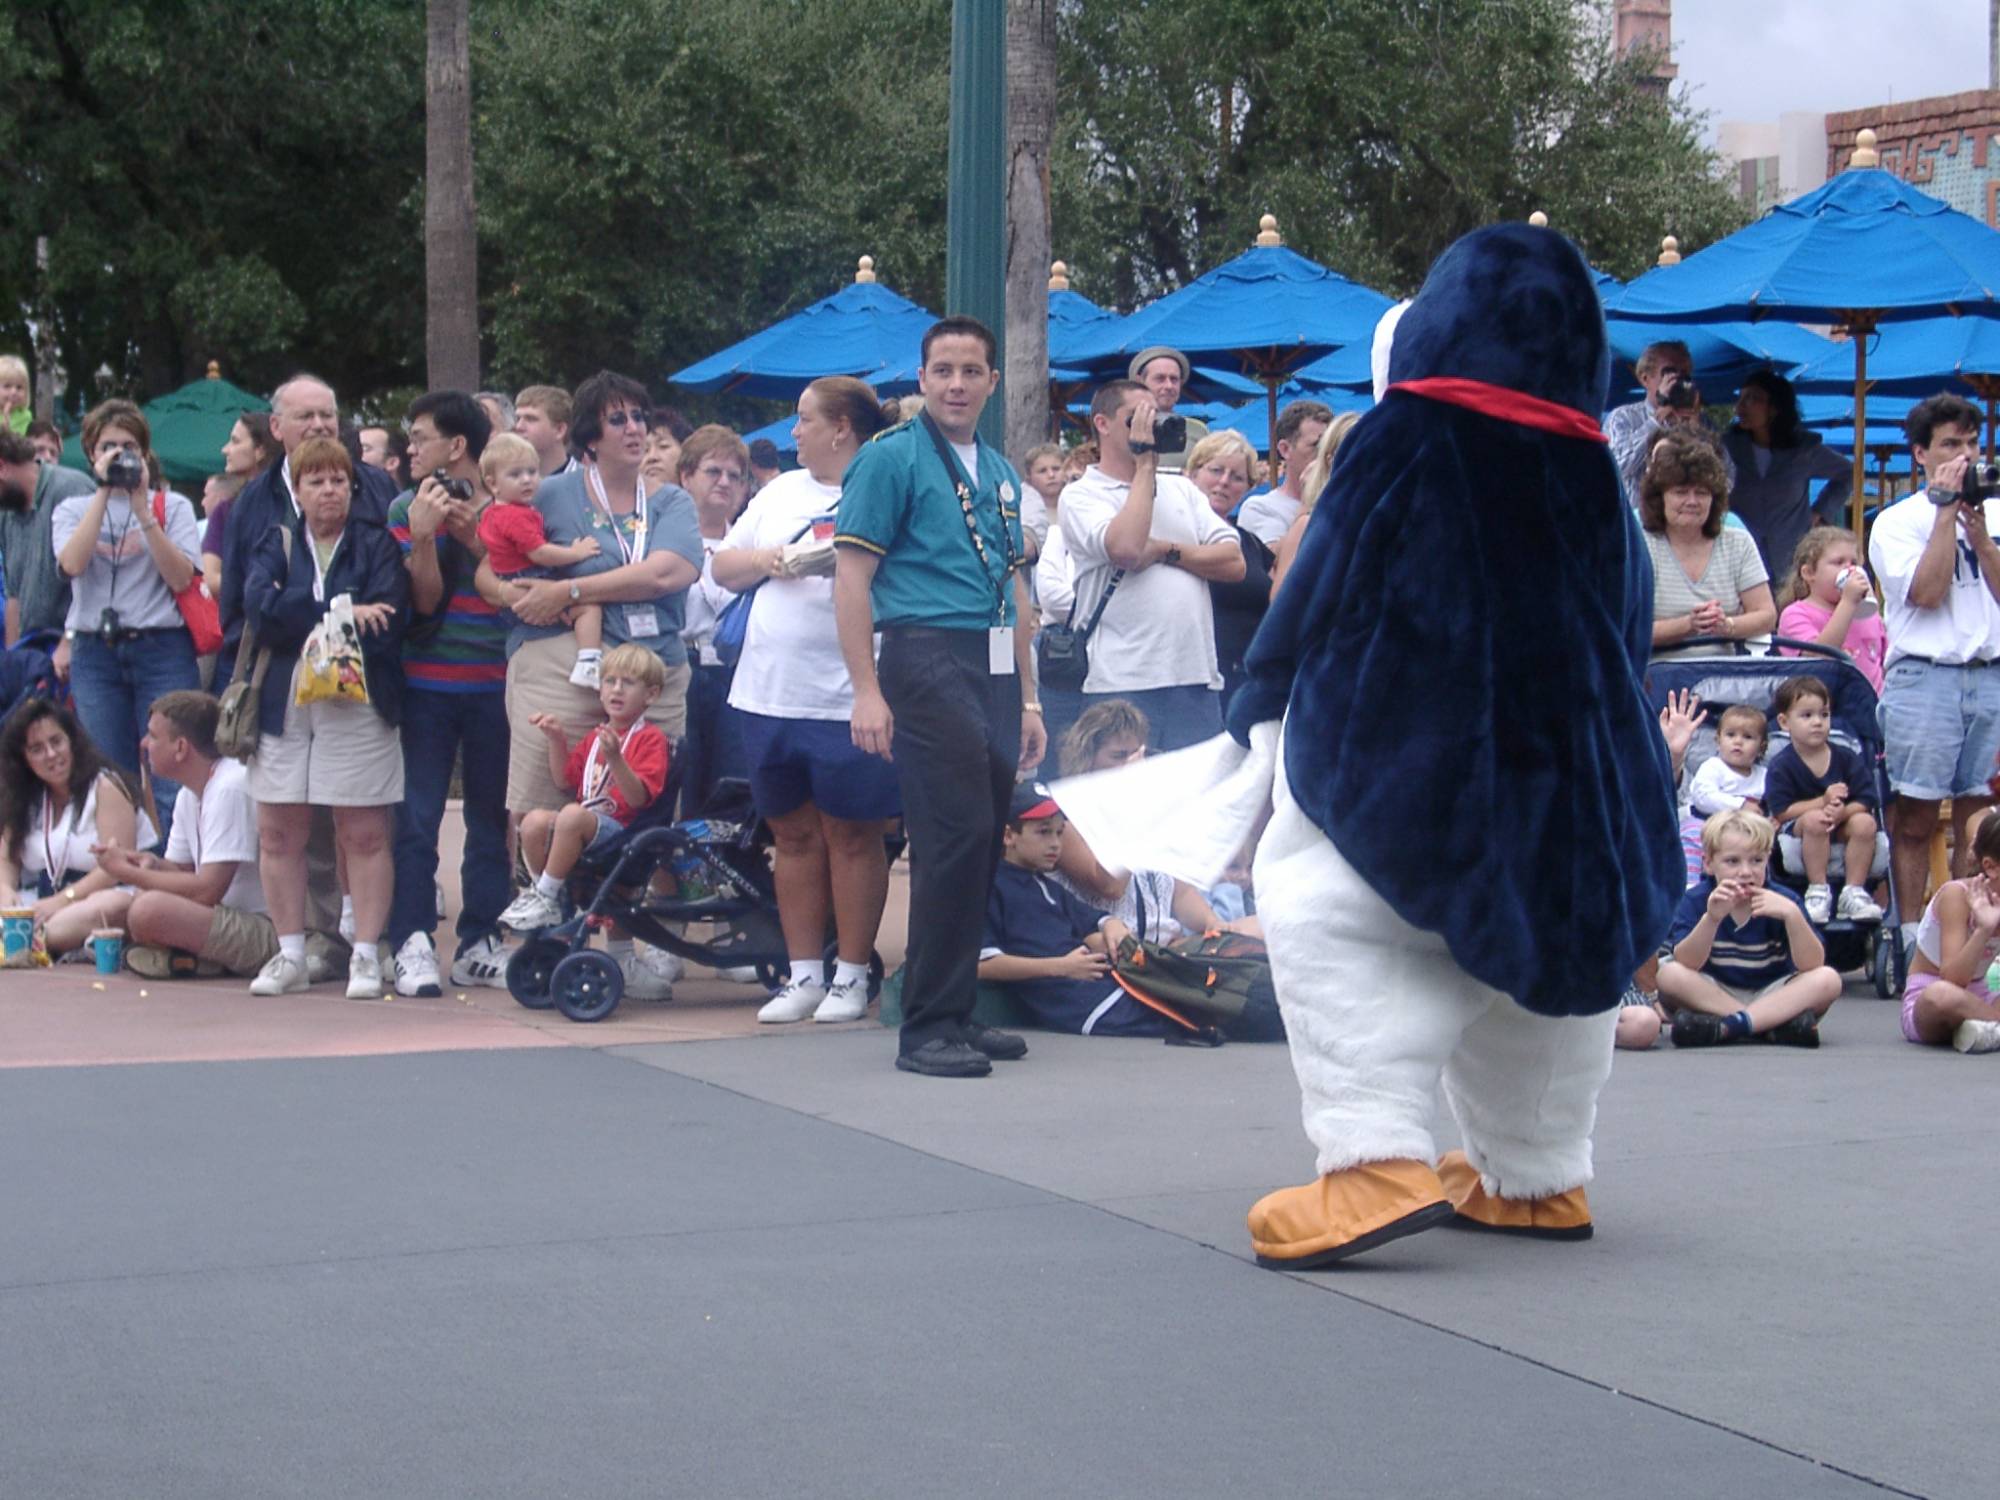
[(1174, 556), (576, 593)]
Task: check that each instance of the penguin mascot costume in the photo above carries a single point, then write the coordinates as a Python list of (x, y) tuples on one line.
[(1472, 842)]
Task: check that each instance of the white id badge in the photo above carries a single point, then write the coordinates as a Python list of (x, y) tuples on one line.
[(642, 621), (1000, 651)]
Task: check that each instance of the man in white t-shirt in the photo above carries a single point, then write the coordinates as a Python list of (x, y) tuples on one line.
[(1939, 569), (200, 910), (1294, 445), (1157, 539)]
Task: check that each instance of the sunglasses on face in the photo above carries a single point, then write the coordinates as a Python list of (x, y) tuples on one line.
[(626, 419)]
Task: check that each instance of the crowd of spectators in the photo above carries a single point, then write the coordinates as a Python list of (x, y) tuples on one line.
[(540, 603)]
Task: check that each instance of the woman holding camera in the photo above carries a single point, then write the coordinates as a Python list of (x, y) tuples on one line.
[(337, 752), (128, 550)]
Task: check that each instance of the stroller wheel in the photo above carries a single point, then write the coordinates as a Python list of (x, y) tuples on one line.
[(587, 986), (1883, 968), (529, 970)]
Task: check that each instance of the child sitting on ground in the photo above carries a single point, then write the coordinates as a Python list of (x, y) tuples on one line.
[(1731, 778), (517, 546), (616, 770), (1827, 600), (1816, 789), (1741, 959), (1050, 948), (1948, 997)]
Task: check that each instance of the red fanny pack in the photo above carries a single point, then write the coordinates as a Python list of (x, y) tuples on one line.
[(197, 605)]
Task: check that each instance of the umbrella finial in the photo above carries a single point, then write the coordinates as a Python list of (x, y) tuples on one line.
[(1670, 251), (1539, 219), (865, 270), (1865, 154), (1058, 277), (1267, 231), (214, 369)]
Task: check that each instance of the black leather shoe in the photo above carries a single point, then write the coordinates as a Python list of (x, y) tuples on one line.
[(939, 1058), (1001, 1046), (1801, 1031), (1693, 1028)]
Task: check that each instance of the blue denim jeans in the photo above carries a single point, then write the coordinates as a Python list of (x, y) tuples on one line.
[(435, 727), (114, 688), (1177, 716)]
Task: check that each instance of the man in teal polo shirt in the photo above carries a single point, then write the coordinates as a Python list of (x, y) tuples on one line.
[(930, 554)]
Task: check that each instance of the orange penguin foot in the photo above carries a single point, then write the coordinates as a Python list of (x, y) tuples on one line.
[(1345, 1213), (1560, 1216)]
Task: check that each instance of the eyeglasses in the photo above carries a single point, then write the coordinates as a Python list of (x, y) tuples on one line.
[(627, 419), (716, 476)]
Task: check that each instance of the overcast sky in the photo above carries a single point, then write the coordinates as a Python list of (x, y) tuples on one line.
[(1755, 59)]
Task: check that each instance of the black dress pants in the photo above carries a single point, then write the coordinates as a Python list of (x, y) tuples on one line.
[(957, 742)]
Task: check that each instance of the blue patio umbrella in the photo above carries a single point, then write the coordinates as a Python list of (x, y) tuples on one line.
[(1255, 422), (780, 434), (1863, 250), (1267, 312), (1918, 359), (864, 330)]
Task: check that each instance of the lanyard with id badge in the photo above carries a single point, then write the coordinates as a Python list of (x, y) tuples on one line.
[(999, 637), (642, 621)]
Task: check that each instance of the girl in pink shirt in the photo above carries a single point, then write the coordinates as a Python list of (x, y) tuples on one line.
[(1827, 599)]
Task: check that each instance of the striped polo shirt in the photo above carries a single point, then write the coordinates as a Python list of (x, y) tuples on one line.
[(468, 651), (1746, 957)]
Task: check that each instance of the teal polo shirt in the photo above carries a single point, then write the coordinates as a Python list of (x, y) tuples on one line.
[(898, 501)]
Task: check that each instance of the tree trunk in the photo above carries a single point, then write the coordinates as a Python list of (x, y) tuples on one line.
[(451, 246), (1031, 123)]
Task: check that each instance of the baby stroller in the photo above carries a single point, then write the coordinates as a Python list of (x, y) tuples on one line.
[(718, 873), (1718, 682)]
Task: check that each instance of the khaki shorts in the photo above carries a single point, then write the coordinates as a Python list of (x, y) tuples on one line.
[(1741, 996), (538, 683), (336, 753), (241, 941)]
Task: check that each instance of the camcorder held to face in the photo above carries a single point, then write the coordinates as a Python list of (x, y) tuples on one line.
[(126, 471), (457, 489), (1679, 391), (1169, 433), (1981, 483)]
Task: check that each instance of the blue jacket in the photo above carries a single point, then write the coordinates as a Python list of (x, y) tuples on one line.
[(264, 503), (278, 596), (1458, 650)]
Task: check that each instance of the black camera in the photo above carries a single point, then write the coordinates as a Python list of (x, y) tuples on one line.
[(1169, 433), (457, 489), (126, 471), (110, 629), (1981, 483), (1682, 395)]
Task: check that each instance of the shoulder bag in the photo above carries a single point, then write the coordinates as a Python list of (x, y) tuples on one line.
[(1062, 653), (196, 604)]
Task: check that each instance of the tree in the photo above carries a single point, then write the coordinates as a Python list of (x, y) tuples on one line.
[(1031, 118), (451, 244)]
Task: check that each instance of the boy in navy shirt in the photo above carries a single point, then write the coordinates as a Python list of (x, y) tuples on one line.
[(1816, 789), (1043, 943), (1741, 959)]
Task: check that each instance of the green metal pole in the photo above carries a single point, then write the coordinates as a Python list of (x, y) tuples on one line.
[(976, 218)]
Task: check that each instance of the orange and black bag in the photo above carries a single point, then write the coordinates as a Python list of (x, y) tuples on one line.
[(1217, 986)]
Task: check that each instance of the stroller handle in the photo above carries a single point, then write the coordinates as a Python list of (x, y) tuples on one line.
[(1733, 647)]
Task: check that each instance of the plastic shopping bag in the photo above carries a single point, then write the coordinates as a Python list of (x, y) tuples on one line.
[(330, 664)]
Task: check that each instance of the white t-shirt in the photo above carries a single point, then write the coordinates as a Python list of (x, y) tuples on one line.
[(791, 666), (1269, 516), (217, 827), (968, 454), (1966, 627), (1716, 788), (1159, 630), (1055, 583), (1034, 515), (705, 604)]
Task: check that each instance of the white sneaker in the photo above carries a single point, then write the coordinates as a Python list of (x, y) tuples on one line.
[(364, 977), (642, 983), (417, 967), (741, 974), (1856, 905), (1977, 1036), (844, 1002), (484, 963), (667, 966), (281, 976), (797, 1000), (531, 911), (1819, 904), (584, 673)]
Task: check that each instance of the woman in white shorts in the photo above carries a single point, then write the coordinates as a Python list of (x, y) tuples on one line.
[(337, 753)]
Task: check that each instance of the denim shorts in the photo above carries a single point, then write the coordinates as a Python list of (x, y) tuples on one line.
[(608, 828), (796, 761), (1940, 728)]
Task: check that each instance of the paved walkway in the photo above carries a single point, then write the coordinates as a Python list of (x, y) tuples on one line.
[(440, 1249)]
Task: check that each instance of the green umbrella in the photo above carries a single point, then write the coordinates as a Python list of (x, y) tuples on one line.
[(189, 426)]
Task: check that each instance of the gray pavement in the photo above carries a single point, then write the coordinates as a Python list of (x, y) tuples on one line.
[(776, 1266)]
